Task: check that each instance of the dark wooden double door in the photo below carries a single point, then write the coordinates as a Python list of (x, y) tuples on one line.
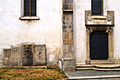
[(99, 45)]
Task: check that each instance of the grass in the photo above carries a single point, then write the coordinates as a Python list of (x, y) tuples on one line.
[(31, 74)]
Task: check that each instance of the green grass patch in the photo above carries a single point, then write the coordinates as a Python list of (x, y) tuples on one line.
[(3, 72), (18, 75)]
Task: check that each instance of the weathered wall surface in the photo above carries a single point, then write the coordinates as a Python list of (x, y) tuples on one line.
[(25, 55), (80, 30), (47, 30), (114, 5)]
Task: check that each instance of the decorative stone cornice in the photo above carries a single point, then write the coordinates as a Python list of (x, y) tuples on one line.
[(93, 20)]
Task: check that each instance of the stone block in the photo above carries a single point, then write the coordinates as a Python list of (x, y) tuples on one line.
[(40, 55), (15, 58), (68, 4), (68, 51), (6, 57), (68, 22), (66, 63), (27, 55), (69, 64), (68, 42), (73, 63), (67, 35), (69, 68), (67, 16), (68, 48), (68, 55)]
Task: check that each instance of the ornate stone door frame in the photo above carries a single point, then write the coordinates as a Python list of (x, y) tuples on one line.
[(108, 30)]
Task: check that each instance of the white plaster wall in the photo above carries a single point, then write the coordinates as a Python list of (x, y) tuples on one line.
[(47, 30), (79, 29), (115, 6)]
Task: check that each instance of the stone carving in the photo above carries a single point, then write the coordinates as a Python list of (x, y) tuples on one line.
[(39, 55), (91, 20)]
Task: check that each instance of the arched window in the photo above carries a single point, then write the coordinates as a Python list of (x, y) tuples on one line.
[(97, 7)]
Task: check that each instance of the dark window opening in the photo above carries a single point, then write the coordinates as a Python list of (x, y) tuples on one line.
[(29, 7), (97, 7)]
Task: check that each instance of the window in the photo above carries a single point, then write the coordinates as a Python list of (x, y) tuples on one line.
[(29, 7), (97, 7)]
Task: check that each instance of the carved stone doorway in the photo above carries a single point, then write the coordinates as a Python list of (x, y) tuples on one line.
[(99, 45)]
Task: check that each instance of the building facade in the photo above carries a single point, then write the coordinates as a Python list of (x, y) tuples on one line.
[(60, 33)]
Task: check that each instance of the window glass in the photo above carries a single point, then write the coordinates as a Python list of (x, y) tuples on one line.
[(97, 7), (29, 7)]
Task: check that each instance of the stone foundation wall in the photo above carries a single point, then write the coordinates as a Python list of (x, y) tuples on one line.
[(25, 55), (69, 64), (6, 57)]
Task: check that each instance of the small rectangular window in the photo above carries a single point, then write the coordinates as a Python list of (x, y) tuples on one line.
[(29, 7), (97, 7)]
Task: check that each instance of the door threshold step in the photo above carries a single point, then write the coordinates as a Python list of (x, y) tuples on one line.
[(111, 67), (99, 69)]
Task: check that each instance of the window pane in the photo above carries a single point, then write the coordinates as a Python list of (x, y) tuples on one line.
[(33, 7), (97, 7), (26, 7)]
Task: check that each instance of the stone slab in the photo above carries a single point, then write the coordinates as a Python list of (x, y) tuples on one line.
[(91, 74)]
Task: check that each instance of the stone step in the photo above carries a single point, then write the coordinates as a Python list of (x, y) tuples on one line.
[(94, 77), (98, 69), (84, 66), (108, 66), (112, 67), (101, 69)]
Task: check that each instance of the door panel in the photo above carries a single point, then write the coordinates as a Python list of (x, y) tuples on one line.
[(98, 45)]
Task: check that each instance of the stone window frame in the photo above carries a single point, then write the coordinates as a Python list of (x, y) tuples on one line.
[(28, 17)]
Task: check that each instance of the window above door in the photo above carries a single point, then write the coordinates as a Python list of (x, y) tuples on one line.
[(29, 10), (97, 7)]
